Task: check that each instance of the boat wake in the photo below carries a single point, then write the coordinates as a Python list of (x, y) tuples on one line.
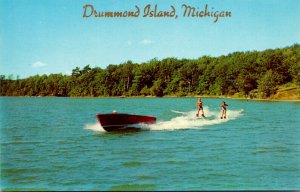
[(184, 120), (188, 120), (179, 112), (94, 127)]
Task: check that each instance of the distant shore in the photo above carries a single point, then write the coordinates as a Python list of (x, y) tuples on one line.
[(263, 75), (172, 96), (284, 93)]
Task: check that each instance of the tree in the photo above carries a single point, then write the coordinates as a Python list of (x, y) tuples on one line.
[(157, 88), (267, 84), (245, 73)]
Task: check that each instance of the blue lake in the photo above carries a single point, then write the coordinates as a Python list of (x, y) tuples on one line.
[(56, 144)]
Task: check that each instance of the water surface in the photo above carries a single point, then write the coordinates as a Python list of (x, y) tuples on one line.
[(56, 144)]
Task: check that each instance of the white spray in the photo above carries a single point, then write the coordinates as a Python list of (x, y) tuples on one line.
[(186, 120)]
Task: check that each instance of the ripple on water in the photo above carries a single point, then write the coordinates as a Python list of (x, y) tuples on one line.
[(132, 164), (19, 171), (130, 187), (146, 177), (264, 150), (21, 143)]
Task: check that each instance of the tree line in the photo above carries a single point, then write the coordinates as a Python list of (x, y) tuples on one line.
[(247, 74)]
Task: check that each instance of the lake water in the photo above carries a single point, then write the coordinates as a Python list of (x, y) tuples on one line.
[(57, 144)]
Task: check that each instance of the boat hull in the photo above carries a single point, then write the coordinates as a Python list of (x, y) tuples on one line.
[(123, 122)]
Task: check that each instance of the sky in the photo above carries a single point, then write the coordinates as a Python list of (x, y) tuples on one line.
[(52, 36)]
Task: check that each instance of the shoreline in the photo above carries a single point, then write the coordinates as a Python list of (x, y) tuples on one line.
[(167, 96)]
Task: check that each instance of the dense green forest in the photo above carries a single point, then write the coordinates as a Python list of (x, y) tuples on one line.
[(246, 74)]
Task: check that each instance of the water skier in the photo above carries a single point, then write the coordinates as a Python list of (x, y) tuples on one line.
[(223, 106), (200, 108)]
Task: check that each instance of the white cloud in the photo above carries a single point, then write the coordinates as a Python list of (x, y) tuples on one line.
[(38, 64), (68, 72), (146, 42)]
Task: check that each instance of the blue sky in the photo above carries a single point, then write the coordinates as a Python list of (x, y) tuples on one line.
[(51, 36)]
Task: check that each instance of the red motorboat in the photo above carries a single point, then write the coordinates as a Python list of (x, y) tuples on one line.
[(121, 121)]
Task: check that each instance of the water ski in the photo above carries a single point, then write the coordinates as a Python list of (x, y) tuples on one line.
[(197, 115)]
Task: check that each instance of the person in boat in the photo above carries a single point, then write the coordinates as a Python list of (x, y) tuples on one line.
[(200, 108), (223, 112)]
